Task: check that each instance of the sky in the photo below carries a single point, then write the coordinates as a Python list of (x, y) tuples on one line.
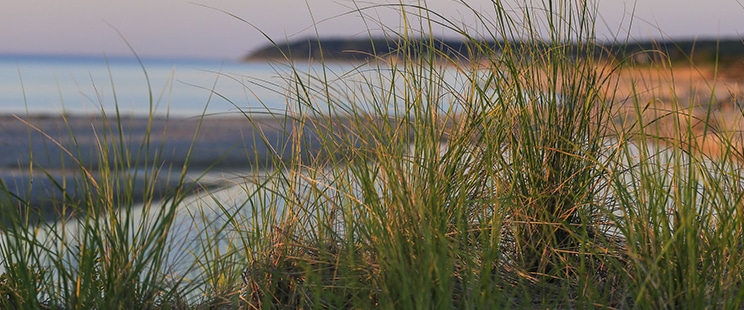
[(229, 29)]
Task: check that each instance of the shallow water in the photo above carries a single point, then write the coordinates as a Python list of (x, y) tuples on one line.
[(198, 222)]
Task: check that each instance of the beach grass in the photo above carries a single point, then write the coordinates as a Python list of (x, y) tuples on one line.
[(525, 176)]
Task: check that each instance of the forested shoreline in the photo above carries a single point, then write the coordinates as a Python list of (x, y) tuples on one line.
[(724, 51)]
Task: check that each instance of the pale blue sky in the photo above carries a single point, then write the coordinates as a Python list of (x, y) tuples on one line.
[(186, 28)]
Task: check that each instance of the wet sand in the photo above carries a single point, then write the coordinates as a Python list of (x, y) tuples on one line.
[(41, 153)]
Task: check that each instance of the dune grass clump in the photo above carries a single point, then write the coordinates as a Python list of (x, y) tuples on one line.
[(476, 182), (511, 174), (101, 252)]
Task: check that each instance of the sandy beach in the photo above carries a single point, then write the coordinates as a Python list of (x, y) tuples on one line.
[(700, 105)]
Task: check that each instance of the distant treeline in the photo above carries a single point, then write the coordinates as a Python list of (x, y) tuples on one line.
[(723, 51)]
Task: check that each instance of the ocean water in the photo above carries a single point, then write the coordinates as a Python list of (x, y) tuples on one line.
[(84, 85)]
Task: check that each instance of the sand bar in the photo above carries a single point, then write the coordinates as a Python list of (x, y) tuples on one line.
[(40, 150)]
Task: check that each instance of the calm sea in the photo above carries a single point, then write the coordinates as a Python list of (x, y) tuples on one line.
[(51, 84), (84, 85)]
